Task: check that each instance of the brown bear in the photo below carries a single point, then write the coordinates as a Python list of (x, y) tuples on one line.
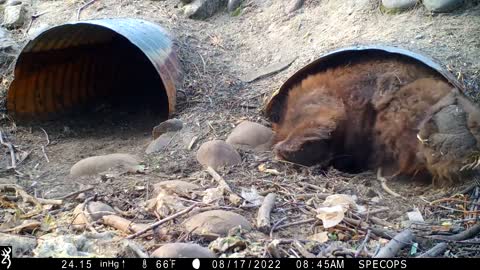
[(380, 113)]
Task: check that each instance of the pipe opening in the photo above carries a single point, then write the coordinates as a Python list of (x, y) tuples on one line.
[(88, 71)]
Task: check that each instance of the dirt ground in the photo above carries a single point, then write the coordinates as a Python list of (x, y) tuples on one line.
[(215, 55)]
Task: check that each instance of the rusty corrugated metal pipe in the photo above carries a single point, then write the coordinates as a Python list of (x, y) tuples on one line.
[(74, 65)]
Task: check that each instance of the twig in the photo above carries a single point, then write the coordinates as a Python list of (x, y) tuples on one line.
[(122, 224), (274, 227), (12, 151), (362, 245), (33, 18), (75, 193), (383, 182), (160, 222), (84, 7), (398, 242), (222, 182), (263, 216), (303, 251), (297, 223), (434, 251)]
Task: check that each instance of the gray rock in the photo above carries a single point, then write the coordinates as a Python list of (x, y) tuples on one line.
[(217, 154), (21, 245), (233, 5), (203, 9), (167, 126), (398, 5), (215, 223), (13, 2), (250, 135), (442, 5), (98, 164), (14, 16), (182, 250), (159, 143), (294, 5)]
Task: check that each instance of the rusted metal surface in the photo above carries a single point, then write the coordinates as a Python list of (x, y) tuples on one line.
[(70, 65), (276, 102)]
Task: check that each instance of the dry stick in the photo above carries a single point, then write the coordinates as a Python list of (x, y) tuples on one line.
[(297, 223), (362, 245), (160, 222), (222, 182), (12, 151), (398, 242), (302, 250), (467, 234), (274, 227), (383, 182), (33, 18), (434, 251), (43, 146), (122, 224), (84, 7), (75, 193), (263, 216)]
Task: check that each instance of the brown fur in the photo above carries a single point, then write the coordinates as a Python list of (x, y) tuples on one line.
[(367, 115)]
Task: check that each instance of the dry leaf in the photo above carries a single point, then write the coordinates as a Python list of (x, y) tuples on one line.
[(331, 216)]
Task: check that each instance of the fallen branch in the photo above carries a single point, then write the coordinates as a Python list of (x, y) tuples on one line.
[(123, 224), (11, 149), (160, 222), (49, 201), (398, 242), (434, 251), (75, 193), (383, 182), (267, 71), (263, 216), (43, 146), (467, 234)]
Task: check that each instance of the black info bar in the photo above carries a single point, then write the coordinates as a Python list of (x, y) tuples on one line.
[(290, 263)]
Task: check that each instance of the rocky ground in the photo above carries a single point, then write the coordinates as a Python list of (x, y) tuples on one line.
[(259, 206)]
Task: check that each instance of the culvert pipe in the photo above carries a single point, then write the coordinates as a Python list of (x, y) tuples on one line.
[(275, 105), (76, 66)]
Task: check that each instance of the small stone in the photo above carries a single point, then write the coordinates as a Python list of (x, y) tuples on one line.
[(14, 16), (398, 5), (159, 143), (250, 135), (216, 223), (182, 250), (170, 125), (442, 5), (98, 164), (203, 9), (233, 5), (217, 154)]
